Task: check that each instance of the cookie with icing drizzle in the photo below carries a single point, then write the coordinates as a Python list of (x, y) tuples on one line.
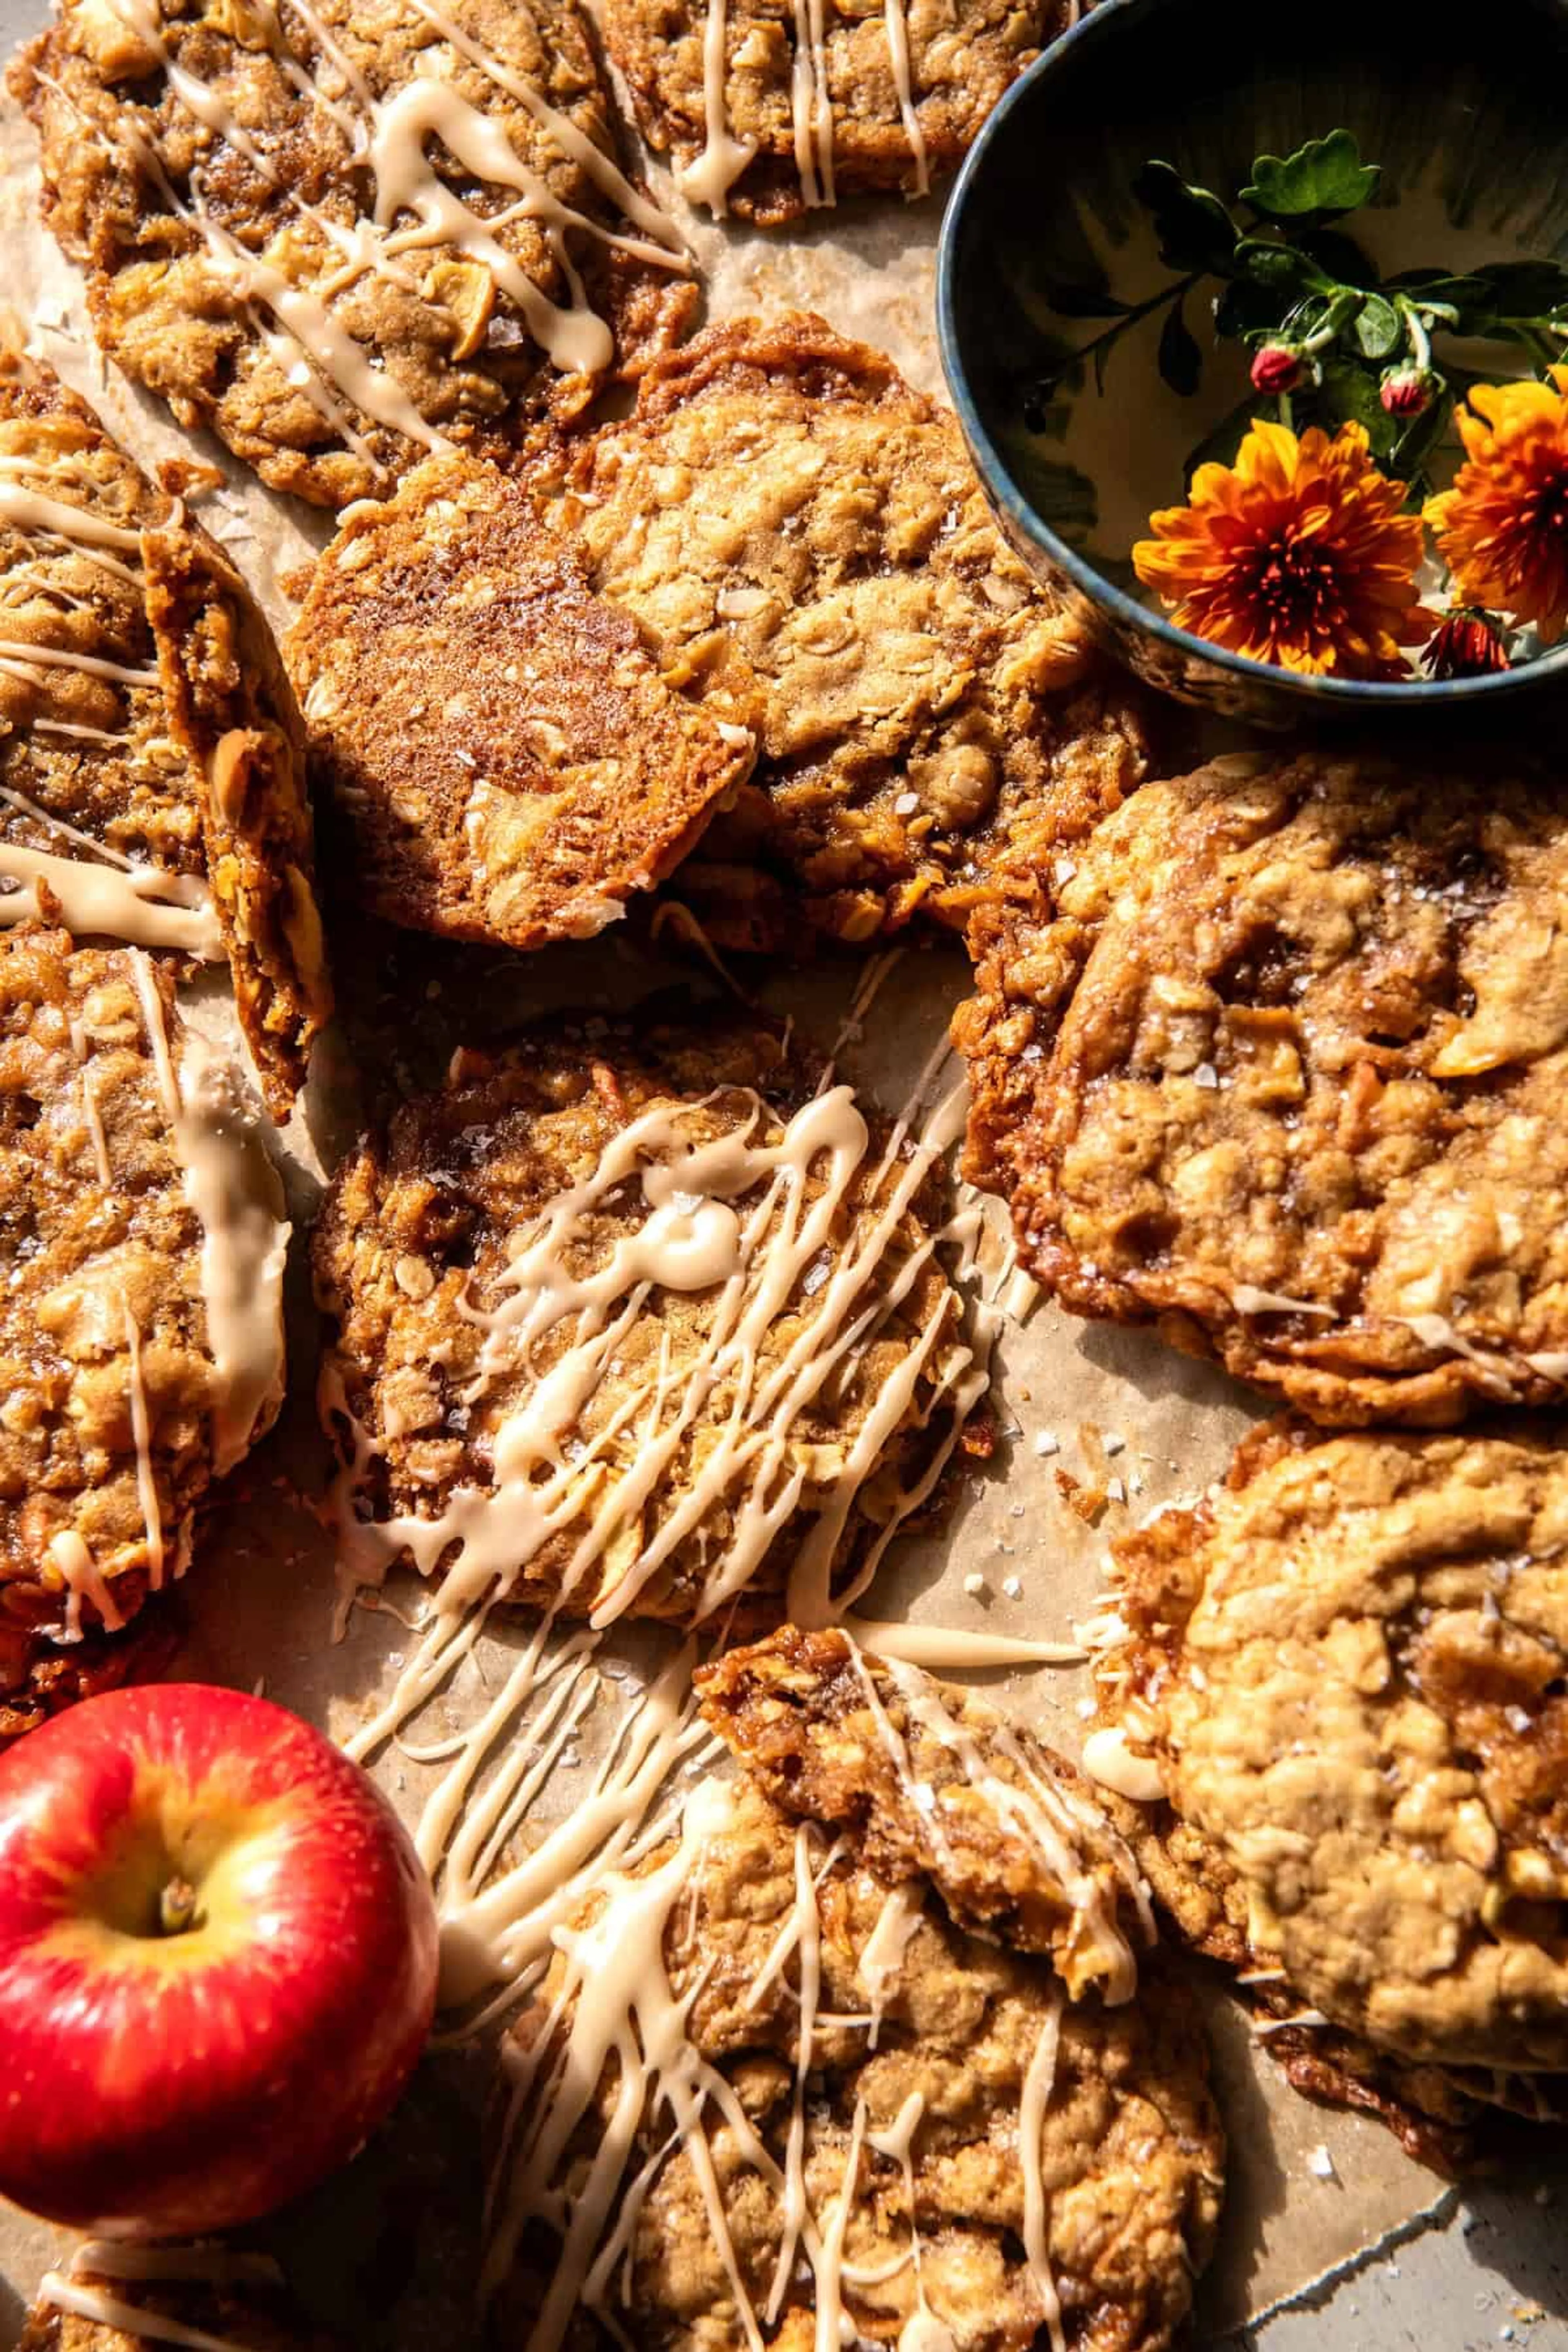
[(343, 240), (503, 757), (118, 2298), (1272, 1060), (141, 1335), (798, 2096), (801, 541), (152, 757), (1343, 1672), (771, 110), (659, 1330)]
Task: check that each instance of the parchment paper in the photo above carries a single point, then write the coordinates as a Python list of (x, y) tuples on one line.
[(386, 2253)]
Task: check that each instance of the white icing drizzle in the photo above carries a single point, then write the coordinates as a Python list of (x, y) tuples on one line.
[(881, 1958), (141, 1437), (955, 1648), (18, 655), (811, 106), (91, 1111), (232, 1187), (1107, 1760), (1048, 1816), (1247, 1299), (86, 2302), (1038, 2084), (84, 1580), (142, 905), (709, 178), (32, 511), (896, 24), (41, 815)]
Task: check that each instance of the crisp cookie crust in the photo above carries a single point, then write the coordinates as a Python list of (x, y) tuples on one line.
[(276, 254), (802, 543), (961, 61), (1131, 2147), (729, 1386), (505, 757), (1348, 1663), (103, 1318), (158, 729), (1277, 1065)]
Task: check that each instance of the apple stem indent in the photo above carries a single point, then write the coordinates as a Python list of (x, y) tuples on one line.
[(177, 1908)]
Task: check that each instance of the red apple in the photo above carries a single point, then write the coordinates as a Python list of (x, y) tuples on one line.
[(217, 1961)]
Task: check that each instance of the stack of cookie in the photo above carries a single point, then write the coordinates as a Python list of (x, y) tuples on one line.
[(1270, 1059)]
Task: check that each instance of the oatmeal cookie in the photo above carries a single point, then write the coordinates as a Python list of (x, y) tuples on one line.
[(140, 1337), (655, 1331), (970, 2154), (1346, 1666), (341, 238), (801, 540), (1276, 1065), (149, 742), (504, 758), (92, 2306), (878, 98)]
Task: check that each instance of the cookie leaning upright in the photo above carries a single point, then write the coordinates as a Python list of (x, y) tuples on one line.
[(344, 239), (152, 758), (1346, 1669), (500, 751), (1277, 1064), (801, 541), (884, 2121), (784, 121)]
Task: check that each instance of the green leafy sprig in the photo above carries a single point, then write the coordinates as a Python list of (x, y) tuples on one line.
[(1331, 339)]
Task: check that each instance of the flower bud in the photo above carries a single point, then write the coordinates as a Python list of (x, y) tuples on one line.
[(1467, 644), (1276, 367), (1408, 391)]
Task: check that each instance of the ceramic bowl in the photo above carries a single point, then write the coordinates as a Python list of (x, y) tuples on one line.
[(1463, 111)]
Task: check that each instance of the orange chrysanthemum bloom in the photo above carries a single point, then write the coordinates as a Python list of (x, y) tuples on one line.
[(1296, 555), (1502, 530)]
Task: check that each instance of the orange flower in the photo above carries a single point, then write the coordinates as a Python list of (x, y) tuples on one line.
[(1502, 530), (1296, 555)]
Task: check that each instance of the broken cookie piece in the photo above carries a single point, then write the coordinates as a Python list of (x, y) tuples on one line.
[(503, 757)]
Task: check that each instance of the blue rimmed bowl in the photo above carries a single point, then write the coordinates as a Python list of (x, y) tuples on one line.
[(1467, 112)]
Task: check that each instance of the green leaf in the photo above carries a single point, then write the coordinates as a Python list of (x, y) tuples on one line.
[(1378, 330), (1347, 393), (1193, 229), (1341, 256), (1325, 177), (1083, 302), (1243, 308), (1283, 268), (1525, 289), (1181, 361), (1416, 444)]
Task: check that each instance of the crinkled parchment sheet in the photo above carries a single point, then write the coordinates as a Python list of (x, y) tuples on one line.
[(387, 2252)]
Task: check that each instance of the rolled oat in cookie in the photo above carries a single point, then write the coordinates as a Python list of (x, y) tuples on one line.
[(502, 756), (1347, 1667), (140, 1328), (770, 111), (804, 551), (1274, 1061), (799, 2096), (152, 767), (343, 237)]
